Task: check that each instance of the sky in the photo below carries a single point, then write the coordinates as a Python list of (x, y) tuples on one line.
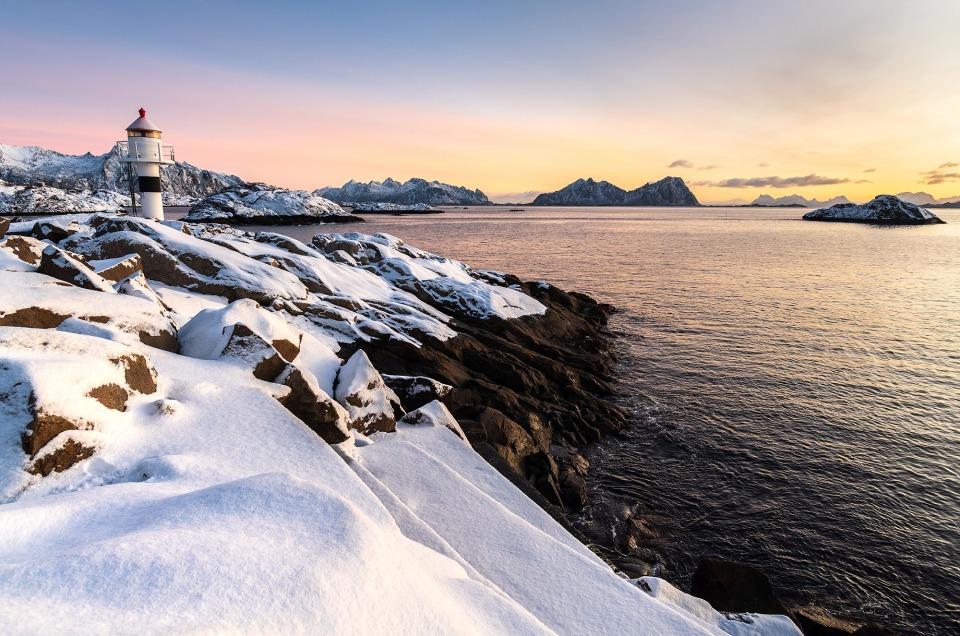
[(737, 97)]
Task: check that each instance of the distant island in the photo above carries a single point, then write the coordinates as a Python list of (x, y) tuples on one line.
[(885, 209), (795, 201), (669, 191), (410, 192)]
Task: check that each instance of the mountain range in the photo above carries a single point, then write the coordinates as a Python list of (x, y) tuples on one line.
[(28, 165), (669, 191), (410, 192), (917, 198)]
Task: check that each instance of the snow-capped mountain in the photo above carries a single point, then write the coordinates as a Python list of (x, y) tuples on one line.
[(412, 191), (669, 191), (796, 199), (25, 165), (884, 209)]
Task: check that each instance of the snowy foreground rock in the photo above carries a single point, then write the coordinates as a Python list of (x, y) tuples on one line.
[(885, 209), (193, 439)]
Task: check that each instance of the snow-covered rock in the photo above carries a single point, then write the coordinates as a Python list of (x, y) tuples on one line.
[(885, 209), (260, 204), (411, 192), (370, 403)]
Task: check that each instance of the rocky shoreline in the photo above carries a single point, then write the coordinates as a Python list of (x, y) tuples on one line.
[(531, 393)]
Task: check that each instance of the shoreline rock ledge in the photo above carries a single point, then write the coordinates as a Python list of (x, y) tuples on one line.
[(885, 209)]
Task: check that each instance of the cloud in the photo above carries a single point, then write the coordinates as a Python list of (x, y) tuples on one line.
[(763, 165), (949, 164), (710, 167), (681, 163), (870, 170), (933, 177), (774, 182)]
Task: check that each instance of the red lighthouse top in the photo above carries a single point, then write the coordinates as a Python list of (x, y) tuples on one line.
[(142, 125)]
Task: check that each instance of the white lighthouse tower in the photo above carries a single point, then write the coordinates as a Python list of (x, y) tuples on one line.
[(144, 151)]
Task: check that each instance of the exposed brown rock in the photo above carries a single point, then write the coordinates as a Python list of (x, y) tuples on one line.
[(112, 396), (4, 226), (310, 404), (245, 345), (415, 391), (42, 429), (118, 271), (53, 231), (63, 265), (138, 373), (62, 458), (32, 317), (26, 248)]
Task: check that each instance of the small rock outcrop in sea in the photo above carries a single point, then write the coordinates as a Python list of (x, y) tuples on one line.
[(261, 204), (411, 192), (391, 208), (669, 191), (885, 209)]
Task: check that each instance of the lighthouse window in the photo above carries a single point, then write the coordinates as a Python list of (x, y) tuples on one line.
[(155, 134)]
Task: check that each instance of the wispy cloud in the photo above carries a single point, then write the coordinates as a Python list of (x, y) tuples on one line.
[(681, 163), (933, 177), (949, 164), (870, 170), (776, 182), (710, 167), (763, 165)]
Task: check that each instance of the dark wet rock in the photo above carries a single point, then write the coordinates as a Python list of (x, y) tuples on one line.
[(735, 587), (54, 231), (874, 629), (313, 406), (415, 391)]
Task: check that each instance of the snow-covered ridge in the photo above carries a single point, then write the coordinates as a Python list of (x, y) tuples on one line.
[(669, 191), (409, 192), (391, 208), (185, 446), (26, 165)]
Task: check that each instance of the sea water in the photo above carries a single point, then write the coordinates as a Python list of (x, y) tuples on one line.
[(794, 387)]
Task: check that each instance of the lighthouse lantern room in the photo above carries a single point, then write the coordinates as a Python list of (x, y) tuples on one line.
[(145, 152)]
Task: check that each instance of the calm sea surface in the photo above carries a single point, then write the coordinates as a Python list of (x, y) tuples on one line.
[(795, 387)]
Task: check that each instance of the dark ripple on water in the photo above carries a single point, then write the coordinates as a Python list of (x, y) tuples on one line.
[(796, 389)]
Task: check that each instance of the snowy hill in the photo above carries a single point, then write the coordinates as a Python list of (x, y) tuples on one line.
[(410, 192), (669, 191), (884, 209), (261, 204), (25, 165), (194, 439)]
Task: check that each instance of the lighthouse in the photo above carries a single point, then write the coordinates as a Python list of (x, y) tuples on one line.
[(145, 152)]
